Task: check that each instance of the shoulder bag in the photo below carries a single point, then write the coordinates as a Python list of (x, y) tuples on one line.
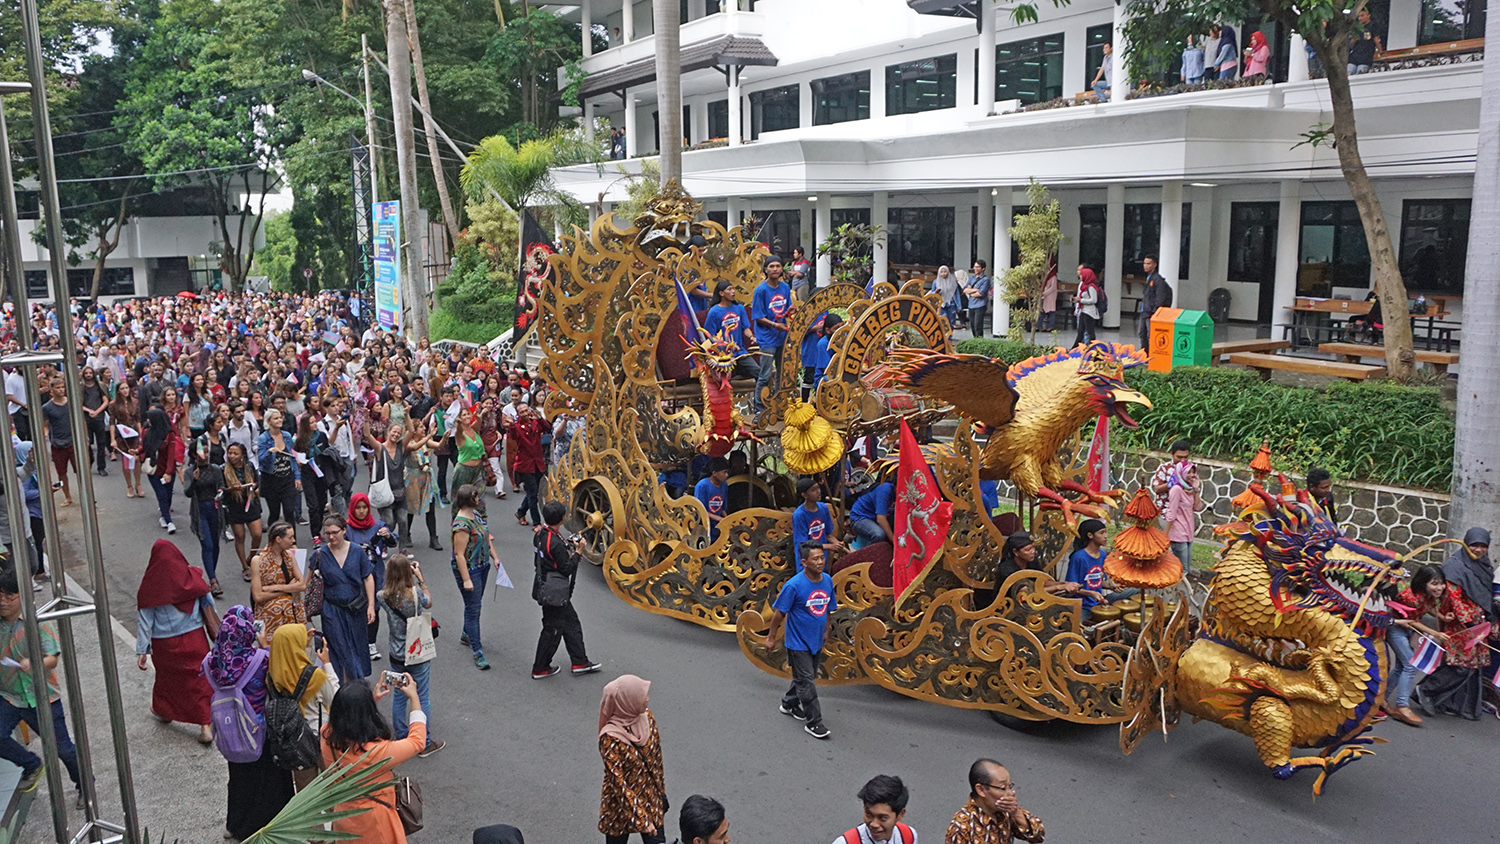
[(556, 589), (419, 645), (381, 494), (312, 599)]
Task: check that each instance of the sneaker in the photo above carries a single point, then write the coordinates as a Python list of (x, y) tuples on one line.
[(542, 675), (481, 663), (463, 639), (586, 668), (302, 520), (29, 779), (228, 534), (374, 652), (817, 731), (794, 711), (432, 747), (78, 804), (171, 528), (161, 520)]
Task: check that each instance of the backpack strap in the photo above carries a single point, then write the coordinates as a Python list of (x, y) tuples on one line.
[(307, 672), (239, 685), (907, 836), (851, 836)]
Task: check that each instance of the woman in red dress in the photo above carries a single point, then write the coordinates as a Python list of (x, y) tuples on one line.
[(1467, 612), (171, 607)]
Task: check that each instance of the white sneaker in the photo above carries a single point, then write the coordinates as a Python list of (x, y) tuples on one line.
[(171, 528), (161, 521), (228, 534), (374, 652)]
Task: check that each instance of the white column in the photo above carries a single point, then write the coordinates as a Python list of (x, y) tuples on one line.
[(880, 216), (822, 226), (732, 206), (588, 121), (963, 227), (804, 105), (1169, 253), (632, 145), (1288, 233), (586, 30), (986, 104), (627, 20), (1114, 250), (700, 122), (1121, 85), (1001, 201), (877, 91), (1296, 70), (736, 106), (985, 224)]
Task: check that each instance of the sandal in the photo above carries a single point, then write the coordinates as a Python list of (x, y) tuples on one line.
[(500, 495), (218, 591), (245, 574)]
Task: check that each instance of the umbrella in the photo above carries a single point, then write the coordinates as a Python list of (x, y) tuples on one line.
[(187, 294)]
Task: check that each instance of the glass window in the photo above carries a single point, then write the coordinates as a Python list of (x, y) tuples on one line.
[(117, 281), (780, 231), (1434, 244), (775, 109), (925, 85), (718, 119), (1091, 222), (1332, 251), (1450, 20), (1143, 237), (921, 235), (1029, 71), (37, 285), (839, 99), (1093, 52), (1252, 241), (845, 216)]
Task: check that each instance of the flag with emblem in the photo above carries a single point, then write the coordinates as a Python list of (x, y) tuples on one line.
[(1098, 465), (922, 518), (1428, 656)]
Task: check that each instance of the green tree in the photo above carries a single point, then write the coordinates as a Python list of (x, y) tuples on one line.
[(276, 260), (530, 50), (1037, 235)]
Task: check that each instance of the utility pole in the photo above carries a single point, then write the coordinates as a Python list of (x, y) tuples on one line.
[(364, 54), (398, 49)]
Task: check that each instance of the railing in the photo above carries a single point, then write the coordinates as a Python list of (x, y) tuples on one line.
[(693, 32)]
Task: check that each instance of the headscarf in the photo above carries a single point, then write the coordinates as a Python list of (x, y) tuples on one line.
[(623, 713), (1475, 575), (946, 286), (1086, 277), (369, 520), (288, 659), (234, 647), (1257, 39), (170, 580), (1226, 37)]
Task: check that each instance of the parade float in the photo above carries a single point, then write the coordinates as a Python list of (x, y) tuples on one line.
[(1276, 649)]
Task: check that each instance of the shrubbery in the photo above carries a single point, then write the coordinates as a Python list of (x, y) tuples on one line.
[(1010, 351), (477, 301)]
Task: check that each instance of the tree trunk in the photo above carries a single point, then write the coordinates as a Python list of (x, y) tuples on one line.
[(414, 286), (667, 25), (107, 244), (433, 152), (500, 14), (1389, 286), (1476, 442)]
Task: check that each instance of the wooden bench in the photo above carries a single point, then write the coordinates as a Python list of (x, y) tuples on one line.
[(1264, 363), (1446, 48), (1353, 352), (1230, 347)]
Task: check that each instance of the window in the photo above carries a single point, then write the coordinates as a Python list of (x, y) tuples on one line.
[(1434, 244), (117, 281), (1450, 20), (1029, 71), (1091, 223), (925, 85), (718, 119), (839, 99), (920, 236), (1252, 242), (1332, 250), (774, 109), (36, 284), (1143, 237), (780, 231), (849, 216), (1093, 52)]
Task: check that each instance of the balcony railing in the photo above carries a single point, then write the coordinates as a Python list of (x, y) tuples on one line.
[(693, 32)]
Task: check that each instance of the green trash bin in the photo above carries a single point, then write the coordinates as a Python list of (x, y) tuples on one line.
[(1192, 339)]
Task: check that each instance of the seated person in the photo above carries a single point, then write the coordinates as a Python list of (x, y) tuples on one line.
[(989, 497), (713, 493), (809, 355), (1086, 578), (812, 521), (674, 480), (729, 317), (870, 517), (1370, 325)]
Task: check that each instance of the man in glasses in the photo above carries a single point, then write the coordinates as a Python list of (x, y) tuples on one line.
[(992, 815)]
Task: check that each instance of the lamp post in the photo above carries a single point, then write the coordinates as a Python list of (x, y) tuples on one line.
[(365, 211)]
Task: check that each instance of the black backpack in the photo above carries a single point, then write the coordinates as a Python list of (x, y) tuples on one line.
[(1103, 303), (290, 740)]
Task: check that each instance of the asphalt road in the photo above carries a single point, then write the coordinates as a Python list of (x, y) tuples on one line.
[(524, 752)]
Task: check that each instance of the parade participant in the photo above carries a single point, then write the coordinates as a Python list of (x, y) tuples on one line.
[(1320, 487), (1085, 578), (276, 582), (770, 306), (884, 798), (812, 521), (701, 820), (728, 317), (1457, 687), (805, 603), (260, 789), (374, 535), (870, 517), (163, 447), (1427, 588), (469, 455), (357, 735), (348, 599), (290, 661), (475, 547), (171, 604), (280, 475), (203, 484), (125, 437), (404, 597), (808, 354), (713, 493), (1017, 554), (992, 815), (242, 503), (421, 485), (95, 406), (822, 357), (528, 461), (633, 798), (559, 556)]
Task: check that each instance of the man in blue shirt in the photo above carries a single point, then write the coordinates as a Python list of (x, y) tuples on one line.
[(713, 492), (809, 354), (729, 317), (805, 604), (770, 307), (813, 521), (870, 517), (820, 365), (978, 293)]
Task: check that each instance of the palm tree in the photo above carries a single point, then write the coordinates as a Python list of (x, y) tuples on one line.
[(519, 176), (667, 22)]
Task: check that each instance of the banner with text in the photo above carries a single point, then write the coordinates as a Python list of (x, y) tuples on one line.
[(388, 264)]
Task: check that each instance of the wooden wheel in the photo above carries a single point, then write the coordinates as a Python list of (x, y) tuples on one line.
[(592, 516), (747, 491)]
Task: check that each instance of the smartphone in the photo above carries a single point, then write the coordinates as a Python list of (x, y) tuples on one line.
[(317, 641), (260, 628), (394, 680)]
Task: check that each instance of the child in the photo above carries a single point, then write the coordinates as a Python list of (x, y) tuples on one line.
[(885, 800), (1086, 565), (1183, 503), (713, 493)]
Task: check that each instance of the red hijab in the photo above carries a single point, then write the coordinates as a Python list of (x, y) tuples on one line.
[(354, 521), (170, 580)]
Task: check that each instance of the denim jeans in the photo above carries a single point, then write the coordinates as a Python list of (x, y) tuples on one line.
[(1356, 69), (869, 530), (1403, 674), (422, 674), (1184, 552), (163, 489), (210, 534), (1101, 90), (12, 751), (472, 600), (531, 482), (803, 693), (770, 361)]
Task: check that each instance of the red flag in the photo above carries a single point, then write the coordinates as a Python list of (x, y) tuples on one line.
[(922, 518), (1099, 456)]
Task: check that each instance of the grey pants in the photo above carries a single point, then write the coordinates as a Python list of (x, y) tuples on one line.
[(803, 693)]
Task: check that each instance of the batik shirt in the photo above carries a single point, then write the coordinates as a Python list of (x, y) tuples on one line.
[(975, 825)]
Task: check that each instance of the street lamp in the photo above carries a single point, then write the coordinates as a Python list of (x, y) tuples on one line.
[(366, 296)]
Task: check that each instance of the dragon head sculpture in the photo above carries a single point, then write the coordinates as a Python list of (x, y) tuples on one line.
[(669, 222), (1104, 371), (716, 353)]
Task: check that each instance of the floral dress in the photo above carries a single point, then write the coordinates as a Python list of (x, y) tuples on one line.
[(634, 795), (1465, 614), (421, 490), (280, 608)]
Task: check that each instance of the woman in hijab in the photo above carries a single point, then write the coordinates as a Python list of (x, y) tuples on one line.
[(1457, 687), (1226, 56), (1256, 55), (946, 286), (634, 798), (259, 789), (362, 528), (170, 607), (1086, 306), (289, 662)]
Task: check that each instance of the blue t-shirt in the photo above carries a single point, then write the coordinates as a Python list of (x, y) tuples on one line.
[(715, 499), (879, 501), (809, 348), (814, 526), (982, 285), (771, 301), (1088, 570), (729, 319), (807, 606), (823, 359), (989, 494)]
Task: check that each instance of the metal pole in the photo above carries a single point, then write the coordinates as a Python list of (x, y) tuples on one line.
[(57, 253), (364, 52)]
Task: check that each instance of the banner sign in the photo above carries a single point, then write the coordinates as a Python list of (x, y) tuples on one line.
[(388, 264)]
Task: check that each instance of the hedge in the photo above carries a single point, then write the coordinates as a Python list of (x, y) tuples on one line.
[(1010, 351)]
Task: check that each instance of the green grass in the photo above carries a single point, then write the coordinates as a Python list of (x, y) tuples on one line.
[(443, 325)]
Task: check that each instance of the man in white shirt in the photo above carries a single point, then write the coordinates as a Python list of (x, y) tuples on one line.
[(885, 799), (15, 401)]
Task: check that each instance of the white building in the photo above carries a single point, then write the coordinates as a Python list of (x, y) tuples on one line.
[(865, 110)]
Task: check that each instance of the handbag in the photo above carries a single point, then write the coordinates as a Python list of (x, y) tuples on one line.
[(381, 494), (419, 645), (408, 804), (555, 590), (312, 599)]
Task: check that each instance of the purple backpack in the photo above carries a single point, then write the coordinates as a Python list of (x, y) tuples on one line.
[(239, 733)]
